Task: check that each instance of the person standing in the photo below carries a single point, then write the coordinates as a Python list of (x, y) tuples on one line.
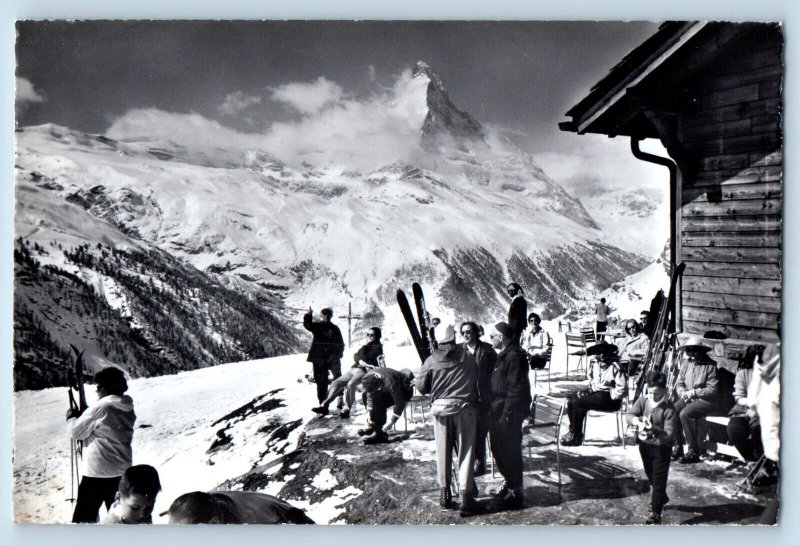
[(511, 400), (654, 417), (485, 357), (697, 392), (601, 311), (106, 430), (367, 358), (450, 376), (607, 387), (518, 310), (327, 349)]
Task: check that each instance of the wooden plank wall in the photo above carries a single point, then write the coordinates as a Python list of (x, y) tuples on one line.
[(731, 206)]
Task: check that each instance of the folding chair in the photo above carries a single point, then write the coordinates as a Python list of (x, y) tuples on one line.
[(619, 418), (576, 347), (545, 368), (547, 413), (588, 335)]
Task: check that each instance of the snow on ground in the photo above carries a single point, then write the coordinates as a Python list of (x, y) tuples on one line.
[(174, 430), (179, 417)]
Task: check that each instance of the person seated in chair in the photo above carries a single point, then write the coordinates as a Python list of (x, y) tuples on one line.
[(607, 387), (368, 357), (385, 387), (536, 342), (744, 426), (696, 388), (632, 348)]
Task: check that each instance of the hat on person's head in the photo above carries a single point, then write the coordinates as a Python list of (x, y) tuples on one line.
[(371, 382), (694, 342), (449, 335), (505, 329), (327, 312), (603, 350)]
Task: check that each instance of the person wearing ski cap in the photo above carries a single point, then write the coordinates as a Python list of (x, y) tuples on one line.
[(696, 388), (135, 497), (510, 405), (234, 507), (607, 387), (450, 376), (485, 358), (369, 356), (385, 387), (106, 430), (517, 311), (327, 349)]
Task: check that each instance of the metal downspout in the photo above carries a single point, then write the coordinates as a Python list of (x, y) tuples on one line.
[(673, 207)]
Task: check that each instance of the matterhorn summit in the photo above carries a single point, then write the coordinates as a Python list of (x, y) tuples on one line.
[(144, 226), (443, 117)]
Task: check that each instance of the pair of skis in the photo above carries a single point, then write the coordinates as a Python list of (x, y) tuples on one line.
[(661, 332), (75, 379), (419, 334)]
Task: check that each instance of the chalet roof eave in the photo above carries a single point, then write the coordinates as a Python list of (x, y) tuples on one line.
[(596, 109)]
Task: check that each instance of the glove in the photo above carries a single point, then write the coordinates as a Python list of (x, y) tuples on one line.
[(390, 424), (73, 413)]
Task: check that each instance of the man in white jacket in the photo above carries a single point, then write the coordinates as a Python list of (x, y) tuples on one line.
[(106, 430)]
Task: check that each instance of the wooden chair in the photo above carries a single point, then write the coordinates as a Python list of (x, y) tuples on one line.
[(576, 347), (545, 368), (547, 413)]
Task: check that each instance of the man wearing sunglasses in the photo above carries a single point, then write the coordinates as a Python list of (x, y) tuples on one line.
[(485, 358), (510, 405)]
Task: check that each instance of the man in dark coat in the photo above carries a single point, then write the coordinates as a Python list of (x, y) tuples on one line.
[(385, 387), (511, 401), (485, 358), (327, 348), (518, 311)]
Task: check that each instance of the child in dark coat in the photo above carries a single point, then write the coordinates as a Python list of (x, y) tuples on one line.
[(654, 417)]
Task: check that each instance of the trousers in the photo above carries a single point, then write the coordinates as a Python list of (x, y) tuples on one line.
[(506, 446), (655, 459), (92, 493), (691, 423), (455, 432)]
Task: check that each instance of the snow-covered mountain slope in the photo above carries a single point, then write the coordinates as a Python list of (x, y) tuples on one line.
[(461, 209)]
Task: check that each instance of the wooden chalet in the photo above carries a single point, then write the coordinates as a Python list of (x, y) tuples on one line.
[(711, 93)]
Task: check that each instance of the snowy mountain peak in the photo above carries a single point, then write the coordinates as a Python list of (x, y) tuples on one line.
[(443, 118)]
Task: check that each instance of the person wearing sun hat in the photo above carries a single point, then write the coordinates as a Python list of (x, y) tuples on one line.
[(696, 389), (607, 386)]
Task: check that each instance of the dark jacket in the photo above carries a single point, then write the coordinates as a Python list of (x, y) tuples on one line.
[(368, 354), (518, 316), (662, 420), (485, 357), (327, 341), (511, 389), (256, 508), (397, 384), (450, 373)]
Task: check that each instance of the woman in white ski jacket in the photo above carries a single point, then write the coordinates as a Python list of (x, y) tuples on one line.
[(106, 430)]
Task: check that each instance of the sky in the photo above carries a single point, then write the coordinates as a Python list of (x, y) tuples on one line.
[(307, 85)]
